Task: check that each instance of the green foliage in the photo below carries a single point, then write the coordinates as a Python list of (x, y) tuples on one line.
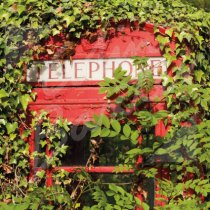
[(184, 150), (114, 198), (25, 25), (133, 119), (202, 4), (39, 198)]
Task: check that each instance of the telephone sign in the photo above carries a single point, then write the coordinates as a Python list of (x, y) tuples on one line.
[(88, 69)]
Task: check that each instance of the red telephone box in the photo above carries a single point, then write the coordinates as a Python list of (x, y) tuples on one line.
[(69, 88)]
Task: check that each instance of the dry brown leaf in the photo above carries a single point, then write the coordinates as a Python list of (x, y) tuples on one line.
[(50, 52)]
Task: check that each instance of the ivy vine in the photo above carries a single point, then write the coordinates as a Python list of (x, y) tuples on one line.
[(27, 25)]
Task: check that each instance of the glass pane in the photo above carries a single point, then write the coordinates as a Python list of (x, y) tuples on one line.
[(79, 151), (38, 161), (92, 180), (129, 182), (81, 148), (148, 190), (112, 151), (123, 180), (99, 152)]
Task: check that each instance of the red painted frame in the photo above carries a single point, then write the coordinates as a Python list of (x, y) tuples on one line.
[(62, 96), (122, 45)]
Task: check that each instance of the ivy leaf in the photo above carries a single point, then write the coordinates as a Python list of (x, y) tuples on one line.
[(161, 114), (198, 75), (110, 193), (126, 130), (55, 31), (40, 174), (77, 204), (122, 137), (84, 17), (21, 9), (69, 20), (169, 59), (105, 121), (134, 136), (90, 124), (135, 151), (204, 104), (113, 187), (25, 99), (3, 93), (188, 37), (25, 133), (3, 121), (200, 57), (116, 125), (200, 39), (43, 143), (161, 151), (98, 119), (169, 32), (105, 132), (145, 206), (103, 84), (23, 206), (96, 132), (180, 36), (5, 15), (163, 40), (11, 127), (113, 134)]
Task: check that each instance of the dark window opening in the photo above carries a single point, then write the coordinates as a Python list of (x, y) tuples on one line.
[(84, 151), (78, 140), (110, 152), (39, 161), (147, 189)]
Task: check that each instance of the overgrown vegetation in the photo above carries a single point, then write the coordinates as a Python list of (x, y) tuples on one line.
[(27, 24), (201, 4)]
